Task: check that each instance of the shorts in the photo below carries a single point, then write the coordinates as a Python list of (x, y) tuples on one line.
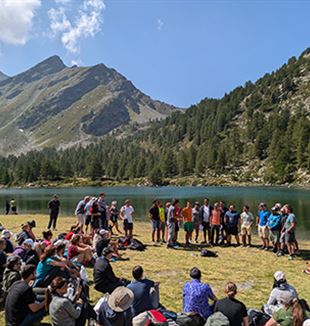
[(155, 224), (87, 219), (232, 230), (274, 236), (188, 226), (80, 218), (95, 222), (289, 237), (196, 224), (162, 226), (263, 231), (246, 230), (113, 218), (206, 225), (127, 225)]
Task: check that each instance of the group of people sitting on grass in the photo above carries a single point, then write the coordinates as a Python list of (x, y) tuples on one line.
[(276, 226)]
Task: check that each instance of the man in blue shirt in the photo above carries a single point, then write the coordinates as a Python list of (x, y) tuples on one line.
[(196, 295), (145, 295), (232, 221), (262, 221)]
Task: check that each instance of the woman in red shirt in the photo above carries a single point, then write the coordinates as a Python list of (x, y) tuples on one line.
[(215, 223)]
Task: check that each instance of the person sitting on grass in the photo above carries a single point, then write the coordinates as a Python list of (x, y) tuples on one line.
[(187, 215), (6, 235), (3, 258), (291, 313), (233, 309), (104, 241), (61, 309), (113, 309), (47, 237), (21, 307), (74, 229), (49, 267), (196, 295), (11, 273), (27, 252), (79, 252), (104, 277), (146, 296), (280, 286)]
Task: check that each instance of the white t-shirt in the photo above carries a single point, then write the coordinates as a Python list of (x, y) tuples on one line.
[(246, 218), (127, 213), (206, 213)]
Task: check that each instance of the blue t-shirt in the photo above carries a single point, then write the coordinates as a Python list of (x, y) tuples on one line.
[(263, 217), (274, 222), (232, 218), (142, 299), (43, 268)]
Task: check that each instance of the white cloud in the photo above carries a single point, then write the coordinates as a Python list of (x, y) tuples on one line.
[(16, 20), (62, 2), (86, 23), (76, 62), (160, 24)]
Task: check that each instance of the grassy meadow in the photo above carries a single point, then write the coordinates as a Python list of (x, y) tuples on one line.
[(251, 268)]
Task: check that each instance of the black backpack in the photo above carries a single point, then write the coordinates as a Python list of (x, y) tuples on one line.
[(257, 318), (136, 245)]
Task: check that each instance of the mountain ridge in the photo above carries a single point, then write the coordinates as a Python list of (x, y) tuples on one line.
[(38, 105)]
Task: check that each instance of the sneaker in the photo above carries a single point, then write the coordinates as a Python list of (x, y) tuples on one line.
[(307, 271), (266, 249), (248, 246), (280, 253), (203, 242), (262, 248), (176, 246), (290, 257)]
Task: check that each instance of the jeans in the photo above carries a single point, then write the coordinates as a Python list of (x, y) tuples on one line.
[(33, 317), (215, 229)]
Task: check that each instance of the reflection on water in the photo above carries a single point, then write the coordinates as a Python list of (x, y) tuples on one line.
[(35, 200)]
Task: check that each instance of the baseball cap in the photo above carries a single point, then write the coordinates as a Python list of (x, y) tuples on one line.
[(279, 275), (6, 234), (29, 242)]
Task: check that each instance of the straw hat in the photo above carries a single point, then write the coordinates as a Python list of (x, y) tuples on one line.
[(120, 299)]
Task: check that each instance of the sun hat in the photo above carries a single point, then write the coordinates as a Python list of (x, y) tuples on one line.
[(6, 234), (279, 275), (120, 299), (13, 258), (29, 242)]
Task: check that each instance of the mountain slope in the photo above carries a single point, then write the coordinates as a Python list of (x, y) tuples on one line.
[(54, 105), (2, 76)]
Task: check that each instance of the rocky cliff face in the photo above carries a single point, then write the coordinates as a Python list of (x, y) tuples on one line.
[(55, 105)]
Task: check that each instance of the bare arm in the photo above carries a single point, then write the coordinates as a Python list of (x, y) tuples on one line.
[(271, 322), (34, 307), (245, 321)]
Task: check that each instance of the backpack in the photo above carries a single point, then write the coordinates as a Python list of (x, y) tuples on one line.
[(150, 318), (136, 245), (217, 319), (208, 253), (190, 319), (257, 318)]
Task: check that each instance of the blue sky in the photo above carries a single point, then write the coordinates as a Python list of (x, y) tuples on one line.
[(176, 51)]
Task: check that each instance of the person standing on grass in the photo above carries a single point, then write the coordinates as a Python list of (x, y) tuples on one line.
[(154, 216), (223, 230), (162, 217), (274, 226), (171, 223), (196, 219), (80, 211), (103, 222), (215, 220), (261, 222), (127, 214), (7, 207), (247, 220), (114, 215), (289, 231), (232, 222), (233, 309), (13, 206), (53, 206), (205, 213), (187, 214)]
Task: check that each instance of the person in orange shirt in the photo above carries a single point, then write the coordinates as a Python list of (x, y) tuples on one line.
[(188, 222), (215, 223)]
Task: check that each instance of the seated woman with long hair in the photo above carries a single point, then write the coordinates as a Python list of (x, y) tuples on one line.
[(49, 267), (78, 251), (61, 309)]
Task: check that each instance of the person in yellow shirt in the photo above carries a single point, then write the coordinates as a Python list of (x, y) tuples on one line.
[(162, 221), (188, 222)]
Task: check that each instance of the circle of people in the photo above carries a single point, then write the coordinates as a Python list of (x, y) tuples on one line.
[(46, 276)]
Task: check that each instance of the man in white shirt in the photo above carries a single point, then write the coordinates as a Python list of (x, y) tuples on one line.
[(205, 213), (246, 226), (127, 213)]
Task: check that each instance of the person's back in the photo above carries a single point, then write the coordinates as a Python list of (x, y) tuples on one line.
[(233, 309), (62, 312)]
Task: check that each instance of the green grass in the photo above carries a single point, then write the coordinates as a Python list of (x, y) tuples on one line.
[(250, 268)]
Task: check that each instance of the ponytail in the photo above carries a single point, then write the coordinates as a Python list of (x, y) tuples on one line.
[(57, 283), (298, 313)]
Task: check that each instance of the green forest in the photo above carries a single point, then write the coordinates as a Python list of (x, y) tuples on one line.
[(261, 128)]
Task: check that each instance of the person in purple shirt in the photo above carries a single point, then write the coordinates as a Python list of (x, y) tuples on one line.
[(196, 295)]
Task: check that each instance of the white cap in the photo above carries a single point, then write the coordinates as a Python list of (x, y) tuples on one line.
[(279, 275), (6, 234), (29, 242), (103, 232)]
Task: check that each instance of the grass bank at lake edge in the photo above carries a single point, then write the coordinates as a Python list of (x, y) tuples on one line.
[(250, 268)]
